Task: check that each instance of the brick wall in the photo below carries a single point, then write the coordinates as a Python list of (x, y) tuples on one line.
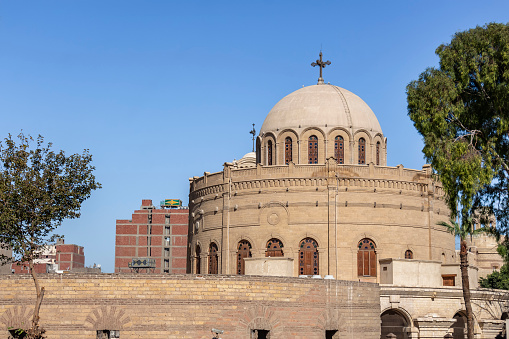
[(189, 306), (156, 233)]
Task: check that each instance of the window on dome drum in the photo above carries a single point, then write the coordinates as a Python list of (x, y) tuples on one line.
[(274, 248), (243, 251), (339, 149), (366, 258), (269, 153), (288, 150), (313, 150), (409, 254), (308, 257), (198, 260), (213, 262), (362, 151), (378, 153)]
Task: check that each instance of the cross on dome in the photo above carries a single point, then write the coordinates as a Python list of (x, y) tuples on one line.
[(322, 65)]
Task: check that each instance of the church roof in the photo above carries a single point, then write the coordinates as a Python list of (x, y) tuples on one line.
[(323, 106)]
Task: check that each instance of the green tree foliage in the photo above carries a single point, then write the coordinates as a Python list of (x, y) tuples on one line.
[(38, 190), (498, 279), (461, 109)]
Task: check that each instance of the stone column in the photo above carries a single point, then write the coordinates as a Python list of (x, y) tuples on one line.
[(433, 326)]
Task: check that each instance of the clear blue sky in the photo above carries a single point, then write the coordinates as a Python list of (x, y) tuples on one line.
[(161, 91)]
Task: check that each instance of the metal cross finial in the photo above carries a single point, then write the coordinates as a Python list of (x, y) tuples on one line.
[(322, 65), (253, 132)]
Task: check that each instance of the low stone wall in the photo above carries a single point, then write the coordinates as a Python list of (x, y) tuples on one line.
[(189, 306)]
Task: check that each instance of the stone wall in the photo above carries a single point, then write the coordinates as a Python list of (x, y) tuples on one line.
[(189, 306)]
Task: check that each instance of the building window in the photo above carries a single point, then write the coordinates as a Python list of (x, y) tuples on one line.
[(166, 252), (409, 254), (313, 150), (269, 153), (260, 334), (339, 149), (330, 334), (167, 230), (449, 279), (198, 259), (362, 151), (308, 257), (366, 258), (288, 150), (243, 251), (378, 153), (213, 260), (108, 334), (274, 248)]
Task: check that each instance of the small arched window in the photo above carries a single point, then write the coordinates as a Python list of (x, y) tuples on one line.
[(308, 257), (288, 150), (362, 151), (339, 149), (274, 248), (269, 153), (378, 153), (198, 259), (409, 254), (313, 150), (366, 258), (243, 251), (213, 259)]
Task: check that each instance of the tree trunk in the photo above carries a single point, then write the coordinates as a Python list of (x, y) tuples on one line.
[(35, 332), (466, 288)]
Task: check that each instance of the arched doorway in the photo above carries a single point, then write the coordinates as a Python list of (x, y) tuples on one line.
[(308, 257), (459, 327), (394, 322), (213, 259), (274, 248), (243, 251)]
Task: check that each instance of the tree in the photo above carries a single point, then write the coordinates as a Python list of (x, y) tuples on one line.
[(38, 190), (461, 109), (462, 231)]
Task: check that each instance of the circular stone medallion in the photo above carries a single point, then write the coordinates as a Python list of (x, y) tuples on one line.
[(273, 218)]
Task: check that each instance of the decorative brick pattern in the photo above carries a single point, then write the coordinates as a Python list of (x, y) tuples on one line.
[(189, 306)]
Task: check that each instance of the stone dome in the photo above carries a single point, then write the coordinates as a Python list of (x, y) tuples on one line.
[(323, 106)]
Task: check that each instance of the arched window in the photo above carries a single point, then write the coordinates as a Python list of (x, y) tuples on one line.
[(308, 257), (198, 260), (288, 150), (269, 153), (378, 153), (313, 150), (362, 151), (213, 260), (409, 254), (274, 248), (339, 149), (258, 151), (243, 251), (366, 258)]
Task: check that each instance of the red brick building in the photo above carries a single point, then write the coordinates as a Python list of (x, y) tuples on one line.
[(153, 233), (59, 256)]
